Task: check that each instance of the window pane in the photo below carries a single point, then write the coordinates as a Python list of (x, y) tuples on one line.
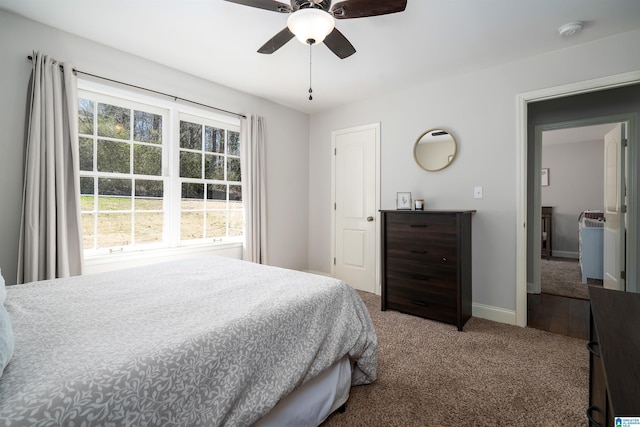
[(149, 195), (233, 169), (86, 203), (235, 196), (114, 122), (235, 223), (86, 154), (214, 167), (114, 194), (114, 229), (88, 235), (192, 196), (233, 146), (148, 227), (147, 127), (190, 135), (86, 185), (191, 225), (190, 165), (147, 160), (213, 139), (85, 116), (216, 196), (216, 224), (113, 156)]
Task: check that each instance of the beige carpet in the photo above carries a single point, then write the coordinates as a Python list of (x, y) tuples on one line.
[(491, 374), (564, 277)]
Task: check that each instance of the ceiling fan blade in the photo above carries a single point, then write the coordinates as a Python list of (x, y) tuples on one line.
[(271, 5), (277, 41), (363, 8), (339, 44)]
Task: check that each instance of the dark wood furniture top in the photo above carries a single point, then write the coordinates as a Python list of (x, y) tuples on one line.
[(616, 318)]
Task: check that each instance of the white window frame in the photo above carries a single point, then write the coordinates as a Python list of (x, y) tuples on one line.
[(171, 246)]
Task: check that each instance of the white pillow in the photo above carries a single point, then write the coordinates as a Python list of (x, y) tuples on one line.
[(6, 332)]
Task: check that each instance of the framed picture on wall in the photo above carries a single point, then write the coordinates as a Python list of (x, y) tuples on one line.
[(403, 201), (545, 177)]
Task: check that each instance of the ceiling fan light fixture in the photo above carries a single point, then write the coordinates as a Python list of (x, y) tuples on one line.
[(310, 25)]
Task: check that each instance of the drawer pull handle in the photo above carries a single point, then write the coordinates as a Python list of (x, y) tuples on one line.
[(418, 225), (418, 252), (420, 303), (420, 277), (593, 422), (444, 259), (591, 350)]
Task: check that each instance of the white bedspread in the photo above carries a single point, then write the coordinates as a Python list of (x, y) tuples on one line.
[(206, 341)]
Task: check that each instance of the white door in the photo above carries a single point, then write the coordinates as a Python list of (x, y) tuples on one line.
[(355, 206), (614, 252)]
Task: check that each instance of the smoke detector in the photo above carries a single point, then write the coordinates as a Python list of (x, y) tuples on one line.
[(570, 29)]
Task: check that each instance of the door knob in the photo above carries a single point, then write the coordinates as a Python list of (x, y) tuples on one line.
[(369, 218)]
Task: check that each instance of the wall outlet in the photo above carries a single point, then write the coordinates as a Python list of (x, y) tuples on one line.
[(477, 193)]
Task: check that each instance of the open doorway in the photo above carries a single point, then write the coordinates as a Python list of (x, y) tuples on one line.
[(573, 190), (572, 196), (618, 99)]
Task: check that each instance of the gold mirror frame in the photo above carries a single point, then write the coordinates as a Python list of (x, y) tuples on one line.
[(435, 149)]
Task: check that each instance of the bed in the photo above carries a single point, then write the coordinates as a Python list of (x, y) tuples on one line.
[(203, 341)]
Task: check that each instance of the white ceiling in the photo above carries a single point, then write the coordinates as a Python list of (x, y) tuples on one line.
[(432, 39)]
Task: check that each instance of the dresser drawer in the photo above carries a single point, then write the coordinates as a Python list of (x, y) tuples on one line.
[(437, 251), (419, 274), (423, 293), (408, 227), (422, 307)]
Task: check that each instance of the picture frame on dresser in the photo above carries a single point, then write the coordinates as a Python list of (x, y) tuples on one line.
[(403, 201)]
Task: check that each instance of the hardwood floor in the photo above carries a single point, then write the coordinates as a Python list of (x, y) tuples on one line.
[(557, 314)]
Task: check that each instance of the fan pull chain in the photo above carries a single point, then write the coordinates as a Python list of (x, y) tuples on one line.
[(310, 90)]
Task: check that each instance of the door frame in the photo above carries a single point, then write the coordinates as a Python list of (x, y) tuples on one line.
[(522, 100), (375, 126)]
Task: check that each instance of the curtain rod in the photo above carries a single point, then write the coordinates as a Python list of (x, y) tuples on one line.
[(176, 98)]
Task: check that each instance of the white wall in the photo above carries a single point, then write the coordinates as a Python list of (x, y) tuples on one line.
[(480, 110), (287, 130), (576, 183)]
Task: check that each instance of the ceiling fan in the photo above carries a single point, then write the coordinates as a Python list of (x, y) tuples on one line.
[(313, 21)]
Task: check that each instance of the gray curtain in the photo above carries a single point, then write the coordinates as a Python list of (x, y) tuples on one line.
[(253, 188), (50, 231)]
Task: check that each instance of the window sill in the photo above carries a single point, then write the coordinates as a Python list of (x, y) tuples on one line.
[(118, 261)]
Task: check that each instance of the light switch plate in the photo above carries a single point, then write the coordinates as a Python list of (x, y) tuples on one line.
[(477, 193)]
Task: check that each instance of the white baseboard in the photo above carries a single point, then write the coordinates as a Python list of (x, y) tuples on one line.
[(495, 314), (566, 254)]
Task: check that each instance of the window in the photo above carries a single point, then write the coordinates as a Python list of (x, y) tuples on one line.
[(154, 176), (211, 200)]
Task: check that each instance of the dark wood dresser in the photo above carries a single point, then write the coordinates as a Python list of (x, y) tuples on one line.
[(426, 264), (614, 356), (546, 228)]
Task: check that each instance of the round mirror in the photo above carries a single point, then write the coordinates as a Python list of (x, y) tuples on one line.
[(435, 150)]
